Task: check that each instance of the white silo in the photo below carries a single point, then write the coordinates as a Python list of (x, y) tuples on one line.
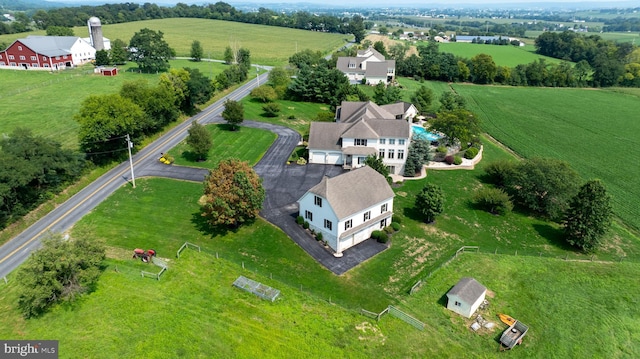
[(95, 33)]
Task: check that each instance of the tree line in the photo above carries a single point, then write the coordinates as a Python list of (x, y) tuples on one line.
[(128, 12), (608, 64)]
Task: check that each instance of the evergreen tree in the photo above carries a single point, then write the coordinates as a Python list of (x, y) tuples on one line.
[(377, 164), (102, 58), (422, 99), (118, 52), (588, 217)]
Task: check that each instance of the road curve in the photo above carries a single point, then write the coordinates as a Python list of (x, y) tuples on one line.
[(62, 218)]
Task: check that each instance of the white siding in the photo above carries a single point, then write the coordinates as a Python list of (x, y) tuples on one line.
[(307, 203), (456, 304)]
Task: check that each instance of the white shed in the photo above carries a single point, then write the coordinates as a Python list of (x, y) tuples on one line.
[(466, 296)]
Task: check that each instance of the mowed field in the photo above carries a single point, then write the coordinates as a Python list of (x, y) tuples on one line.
[(509, 56), (596, 131)]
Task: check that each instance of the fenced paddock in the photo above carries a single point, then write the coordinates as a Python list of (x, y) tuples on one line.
[(257, 288), (160, 263), (187, 245), (396, 313)]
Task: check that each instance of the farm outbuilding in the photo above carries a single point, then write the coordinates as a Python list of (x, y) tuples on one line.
[(466, 296)]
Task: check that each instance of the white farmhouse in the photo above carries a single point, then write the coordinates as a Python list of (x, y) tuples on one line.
[(363, 129), (369, 65), (348, 207), (466, 296)]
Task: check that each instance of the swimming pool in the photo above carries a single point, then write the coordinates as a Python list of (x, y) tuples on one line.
[(420, 132)]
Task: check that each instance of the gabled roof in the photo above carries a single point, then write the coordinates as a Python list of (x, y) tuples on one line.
[(360, 129), (326, 135), (343, 64), (398, 108), (370, 52), (50, 45), (379, 69), (468, 289), (349, 112), (354, 191)]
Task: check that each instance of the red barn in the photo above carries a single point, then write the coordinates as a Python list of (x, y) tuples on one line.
[(51, 52)]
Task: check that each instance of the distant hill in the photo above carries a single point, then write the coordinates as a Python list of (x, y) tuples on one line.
[(23, 5)]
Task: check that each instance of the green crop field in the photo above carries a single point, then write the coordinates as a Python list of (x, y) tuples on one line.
[(594, 130), (510, 56), (269, 45), (246, 144)]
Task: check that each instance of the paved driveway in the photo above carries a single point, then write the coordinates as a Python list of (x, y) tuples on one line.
[(284, 185)]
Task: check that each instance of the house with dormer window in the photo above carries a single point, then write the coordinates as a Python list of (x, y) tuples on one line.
[(369, 65), (361, 129), (345, 211)]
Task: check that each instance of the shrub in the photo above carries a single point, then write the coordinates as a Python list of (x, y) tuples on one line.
[(441, 149), (301, 161), (449, 159), (271, 109), (396, 219), (493, 200), (497, 172), (388, 230), (292, 117), (319, 236), (305, 225), (471, 153), (380, 236), (325, 116), (313, 231), (395, 226), (457, 160), (300, 220)]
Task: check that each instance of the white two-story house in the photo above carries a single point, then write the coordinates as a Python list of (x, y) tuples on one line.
[(362, 129), (368, 65), (348, 207)]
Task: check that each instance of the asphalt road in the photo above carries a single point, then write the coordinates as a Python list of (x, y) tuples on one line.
[(145, 163)]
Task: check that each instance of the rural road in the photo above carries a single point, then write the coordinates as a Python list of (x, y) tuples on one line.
[(145, 163)]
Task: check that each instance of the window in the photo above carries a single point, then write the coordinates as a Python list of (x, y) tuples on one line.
[(46, 65), (367, 215), (392, 141), (352, 65), (383, 223), (458, 304), (391, 154), (318, 201), (390, 70), (360, 141), (400, 154), (383, 208), (381, 153), (19, 48), (348, 224), (382, 141), (11, 57), (361, 160), (401, 142), (34, 65), (44, 58), (308, 215), (22, 57), (0, 56), (33, 58), (328, 224)]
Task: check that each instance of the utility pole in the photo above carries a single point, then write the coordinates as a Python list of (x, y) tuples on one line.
[(129, 145)]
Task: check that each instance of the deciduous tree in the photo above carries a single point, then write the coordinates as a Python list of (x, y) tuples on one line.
[(60, 31), (264, 93), (118, 52), (233, 113), (60, 270), (588, 217), (483, 69), (460, 125), (199, 140), (430, 202), (233, 194), (150, 51), (196, 51), (102, 58)]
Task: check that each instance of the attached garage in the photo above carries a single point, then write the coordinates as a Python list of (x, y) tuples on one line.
[(325, 157)]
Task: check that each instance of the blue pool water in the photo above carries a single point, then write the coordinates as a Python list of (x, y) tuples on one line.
[(419, 131)]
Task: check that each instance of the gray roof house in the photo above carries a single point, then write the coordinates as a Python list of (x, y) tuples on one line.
[(345, 210), (369, 65), (466, 296), (363, 129)]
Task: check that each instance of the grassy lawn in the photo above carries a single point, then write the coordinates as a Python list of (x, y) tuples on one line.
[(302, 113), (48, 101), (246, 144), (573, 309), (594, 130)]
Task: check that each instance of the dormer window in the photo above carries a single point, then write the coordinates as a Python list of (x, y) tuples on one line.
[(360, 141), (352, 65)]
